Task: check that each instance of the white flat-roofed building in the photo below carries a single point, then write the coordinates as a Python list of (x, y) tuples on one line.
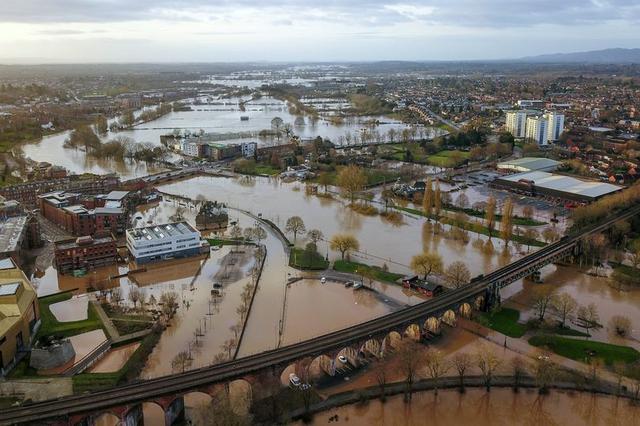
[(160, 242)]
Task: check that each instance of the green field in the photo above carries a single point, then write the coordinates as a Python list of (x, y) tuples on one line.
[(505, 320), (581, 350), (375, 272), (300, 259), (446, 158)]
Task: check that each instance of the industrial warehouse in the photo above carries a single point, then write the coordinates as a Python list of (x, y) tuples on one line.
[(538, 183)]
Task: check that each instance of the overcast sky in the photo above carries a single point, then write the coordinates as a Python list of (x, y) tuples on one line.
[(309, 30)]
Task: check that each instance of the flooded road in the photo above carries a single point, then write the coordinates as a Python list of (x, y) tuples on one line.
[(480, 408), (314, 309)]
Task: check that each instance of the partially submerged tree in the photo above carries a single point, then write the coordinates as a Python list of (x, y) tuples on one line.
[(426, 263), (462, 361), (295, 226), (343, 243)]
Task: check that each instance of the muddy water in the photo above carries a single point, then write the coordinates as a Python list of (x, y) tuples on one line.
[(224, 117), (202, 322), (585, 289), (499, 407), (278, 201), (314, 309), (51, 150), (115, 359)]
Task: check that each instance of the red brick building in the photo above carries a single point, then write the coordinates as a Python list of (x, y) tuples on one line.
[(82, 215), (85, 253)]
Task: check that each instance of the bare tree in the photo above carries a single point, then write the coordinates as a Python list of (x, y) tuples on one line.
[(410, 357), (620, 325), (519, 370), (542, 297), (295, 226), (564, 306), (462, 361), (436, 365), (487, 362), (381, 371), (181, 362), (490, 215), (588, 317), (545, 373), (457, 274)]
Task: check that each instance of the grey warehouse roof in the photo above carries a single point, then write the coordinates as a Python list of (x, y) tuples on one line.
[(529, 164), (588, 189)]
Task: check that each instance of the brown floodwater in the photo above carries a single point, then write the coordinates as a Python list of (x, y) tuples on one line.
[(202, 322), (585, 289), (314, 309), (83, 344), (115, 359), (498, 407), (278, 200)]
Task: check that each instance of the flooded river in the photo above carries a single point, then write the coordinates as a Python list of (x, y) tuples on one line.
[(480, 408)]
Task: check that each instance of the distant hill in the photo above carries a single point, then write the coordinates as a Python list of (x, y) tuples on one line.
[(605, 56)]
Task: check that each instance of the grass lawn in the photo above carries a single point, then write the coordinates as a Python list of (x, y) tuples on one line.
[(265, 169), (446, 158), (299, 259), (374, 177), (51, 326), (223, 242), (375, 272), (505, 321), (579, 349)]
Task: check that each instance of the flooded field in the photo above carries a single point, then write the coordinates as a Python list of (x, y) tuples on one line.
[(221, 116), (277, 201), (585, 289), (480, 408)]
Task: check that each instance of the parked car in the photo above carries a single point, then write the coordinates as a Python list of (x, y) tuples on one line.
[(343, 359), (294, 380), (348, 284), (323, 280)]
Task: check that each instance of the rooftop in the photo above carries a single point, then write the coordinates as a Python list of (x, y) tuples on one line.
[(77, 242), (9, 289), (11, 233), (587, 189), (529, 164), (116, 195), (159, 232)]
